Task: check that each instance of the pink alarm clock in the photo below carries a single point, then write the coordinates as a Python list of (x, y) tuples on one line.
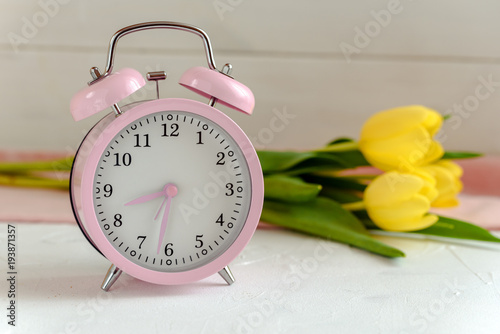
[(170, 191)]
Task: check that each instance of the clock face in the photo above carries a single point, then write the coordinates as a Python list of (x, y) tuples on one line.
[(172, 191)]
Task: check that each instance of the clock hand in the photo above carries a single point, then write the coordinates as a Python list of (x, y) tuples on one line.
[(149, 197), (146, 198), (170, 192), (164, 192), (164, 224), (161, 206)]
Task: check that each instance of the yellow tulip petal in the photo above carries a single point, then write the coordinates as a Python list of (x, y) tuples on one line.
[(397, 201), (405, 216), (448, 183), (451, 166), (406, 150), (434, 153), (415, 224), (433, 121), (408, 209), (445, 180), (425, 222), (401, 138), (397, 120), (392, 187), (429, 188), (445, 202)]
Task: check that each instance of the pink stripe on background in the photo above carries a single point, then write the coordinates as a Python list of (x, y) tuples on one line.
[(481, 175), (35, 205), (480, 201)]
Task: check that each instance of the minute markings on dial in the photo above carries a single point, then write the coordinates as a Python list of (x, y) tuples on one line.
[(208, 130)]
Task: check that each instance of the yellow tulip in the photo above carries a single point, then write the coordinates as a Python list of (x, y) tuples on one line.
[(401, 138), (447, 175), (400, 202)]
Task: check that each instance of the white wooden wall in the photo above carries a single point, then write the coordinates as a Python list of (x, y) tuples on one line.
[(327, 65)]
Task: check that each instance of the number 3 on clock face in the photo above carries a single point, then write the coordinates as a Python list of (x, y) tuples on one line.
[(170, 192)]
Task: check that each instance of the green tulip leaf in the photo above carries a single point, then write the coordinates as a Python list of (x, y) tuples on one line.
[(353, 158), (340, 140), (350, 158), (295, 163), (460, 155), (347, 150), (444, 227), (335, 182), (341, 196), (453, 228), (325, 218), (289, 189), (275, 161), (319, 164)]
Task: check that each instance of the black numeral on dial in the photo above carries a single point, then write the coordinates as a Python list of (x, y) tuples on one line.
[(108, 190), (200, 242), (220, 220), (125, 160), (138, 140), (118, 220), (230, 190), (221, 157), (169, 251), (143, 237), (199, 138), (172, 132)]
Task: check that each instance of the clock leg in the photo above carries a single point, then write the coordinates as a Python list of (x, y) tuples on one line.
[(227, 275), (111, 277)]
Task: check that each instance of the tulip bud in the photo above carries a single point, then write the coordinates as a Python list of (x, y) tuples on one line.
[(447, 175), (401, 138), (400, 202)]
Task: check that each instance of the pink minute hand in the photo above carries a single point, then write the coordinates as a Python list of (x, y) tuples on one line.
[(161, 207), (170, 191)]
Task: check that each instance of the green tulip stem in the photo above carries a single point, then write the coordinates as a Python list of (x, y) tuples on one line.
[(31, 166), (354, 206), (33, 182), (339, 147)]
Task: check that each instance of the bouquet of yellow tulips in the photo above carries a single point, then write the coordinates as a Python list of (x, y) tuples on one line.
[(316, 192), (311, 191)]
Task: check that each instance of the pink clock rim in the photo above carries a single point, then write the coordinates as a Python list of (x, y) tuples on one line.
[(92, 224)]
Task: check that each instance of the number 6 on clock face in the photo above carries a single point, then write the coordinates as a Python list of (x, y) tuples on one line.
[(169, 190)]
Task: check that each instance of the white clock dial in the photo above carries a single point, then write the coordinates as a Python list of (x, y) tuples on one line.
[(178, 172)]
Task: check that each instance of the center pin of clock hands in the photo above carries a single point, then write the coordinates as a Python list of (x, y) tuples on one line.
[(169, 191)]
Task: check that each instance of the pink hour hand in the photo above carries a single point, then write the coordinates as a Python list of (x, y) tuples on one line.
[(146, 198)]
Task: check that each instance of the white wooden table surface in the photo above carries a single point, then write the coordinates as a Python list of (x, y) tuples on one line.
[(285, 283)]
